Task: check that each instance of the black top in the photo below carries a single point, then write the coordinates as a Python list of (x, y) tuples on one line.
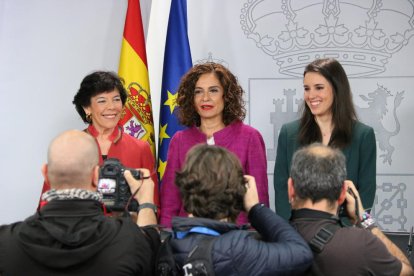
[(74, 237)]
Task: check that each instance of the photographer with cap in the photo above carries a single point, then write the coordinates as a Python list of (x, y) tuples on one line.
[(317, 187), (70, 235)]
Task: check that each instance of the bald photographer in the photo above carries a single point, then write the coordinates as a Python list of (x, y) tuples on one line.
[(70, 234)]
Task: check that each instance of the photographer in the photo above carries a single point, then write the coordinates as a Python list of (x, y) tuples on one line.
[(70, 235), (214, 191), (316, 189)]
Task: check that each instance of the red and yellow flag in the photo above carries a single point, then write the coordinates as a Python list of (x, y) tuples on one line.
[(137, 118)]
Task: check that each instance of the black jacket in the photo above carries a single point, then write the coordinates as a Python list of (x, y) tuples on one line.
[(279, 251), (73, 237)]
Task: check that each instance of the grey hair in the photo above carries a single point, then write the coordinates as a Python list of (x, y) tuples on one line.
[(318, 172)]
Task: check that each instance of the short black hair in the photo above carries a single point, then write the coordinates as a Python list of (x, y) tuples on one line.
[(94, 84)]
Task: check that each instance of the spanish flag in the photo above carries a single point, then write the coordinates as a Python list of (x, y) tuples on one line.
[(137, 118)]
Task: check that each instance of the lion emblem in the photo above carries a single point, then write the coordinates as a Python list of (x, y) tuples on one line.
[(374, 114)]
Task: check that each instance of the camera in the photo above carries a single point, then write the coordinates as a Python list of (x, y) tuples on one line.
[(343, 213), (113, 186)]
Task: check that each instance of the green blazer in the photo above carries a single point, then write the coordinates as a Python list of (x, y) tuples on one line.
[(360, 156)]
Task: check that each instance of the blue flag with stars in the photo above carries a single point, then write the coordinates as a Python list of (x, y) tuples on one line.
[(177, 61)]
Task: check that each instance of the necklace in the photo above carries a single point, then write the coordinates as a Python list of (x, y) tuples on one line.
[(324, 133)]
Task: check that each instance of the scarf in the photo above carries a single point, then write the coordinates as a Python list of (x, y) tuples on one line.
[(66, 194)]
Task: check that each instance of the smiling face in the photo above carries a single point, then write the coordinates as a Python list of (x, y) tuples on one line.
[(105, 110), (208, 97), (318, 94)]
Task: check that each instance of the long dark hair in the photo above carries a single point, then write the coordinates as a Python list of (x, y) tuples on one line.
[(343, 111)]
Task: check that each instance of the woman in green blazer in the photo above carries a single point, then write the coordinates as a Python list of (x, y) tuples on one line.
[(328, 117)]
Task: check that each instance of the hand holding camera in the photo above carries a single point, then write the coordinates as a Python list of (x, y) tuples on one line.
[(143, 192), (353, 202), (117, 190), (251, 197), (144, 186)]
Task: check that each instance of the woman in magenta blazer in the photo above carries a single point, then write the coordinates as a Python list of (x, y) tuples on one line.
[(212, 107)]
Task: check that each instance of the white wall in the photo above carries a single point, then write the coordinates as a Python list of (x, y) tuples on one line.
[(46, 48)]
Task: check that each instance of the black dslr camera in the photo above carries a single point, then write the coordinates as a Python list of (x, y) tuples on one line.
[(113, 186)]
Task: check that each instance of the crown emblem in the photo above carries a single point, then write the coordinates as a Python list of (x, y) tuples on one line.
[(359, 34), (211, 59)]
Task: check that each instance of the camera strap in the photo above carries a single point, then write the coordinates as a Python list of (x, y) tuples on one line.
[(325, 233), (199, 259), (323, 237)]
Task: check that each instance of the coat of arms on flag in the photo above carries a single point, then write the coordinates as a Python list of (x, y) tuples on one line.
[(137, 118)]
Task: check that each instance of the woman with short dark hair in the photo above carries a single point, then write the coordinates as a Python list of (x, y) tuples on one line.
[(100, 103)]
